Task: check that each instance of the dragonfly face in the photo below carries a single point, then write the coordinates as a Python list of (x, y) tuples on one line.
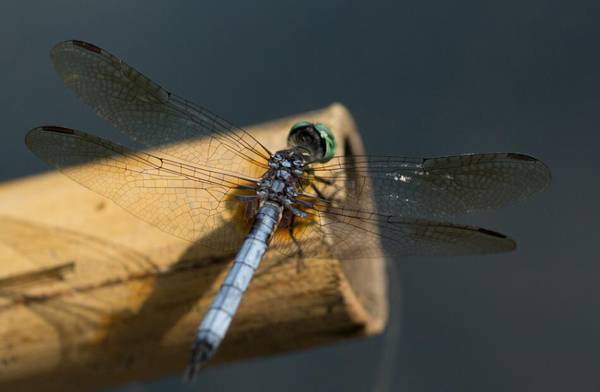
[(317, 139)]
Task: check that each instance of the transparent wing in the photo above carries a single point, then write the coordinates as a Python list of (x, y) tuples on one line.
[(360, 234), (181, 199), (432, 187), (361, 203), (152, 115)]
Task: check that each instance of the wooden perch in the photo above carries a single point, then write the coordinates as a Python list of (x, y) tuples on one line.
[(122, 300)]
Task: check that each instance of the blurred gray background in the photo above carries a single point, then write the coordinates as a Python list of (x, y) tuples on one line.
[(421, 77)]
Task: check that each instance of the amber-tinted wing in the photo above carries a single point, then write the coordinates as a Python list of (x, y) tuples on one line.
[(185, 200), (153, 116)]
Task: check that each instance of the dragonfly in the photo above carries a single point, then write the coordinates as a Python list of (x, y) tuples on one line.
[(200, 172)]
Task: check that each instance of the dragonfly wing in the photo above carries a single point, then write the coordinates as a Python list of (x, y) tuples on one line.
[(360, 234), (152, 115), (186, 201), (434, 187)]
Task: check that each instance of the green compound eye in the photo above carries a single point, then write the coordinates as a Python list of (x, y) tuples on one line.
[(300, 124), (315, 137), (329, 140)]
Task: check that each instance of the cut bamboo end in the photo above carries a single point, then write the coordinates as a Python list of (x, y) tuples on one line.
[(130, 297)]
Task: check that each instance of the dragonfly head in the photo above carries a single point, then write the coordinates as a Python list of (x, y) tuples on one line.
[(315, 140)]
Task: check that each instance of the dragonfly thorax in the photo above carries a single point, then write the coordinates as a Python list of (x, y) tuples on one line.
[(283, 181)]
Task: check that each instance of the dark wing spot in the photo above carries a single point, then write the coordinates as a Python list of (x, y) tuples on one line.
[(56, 129), (521, 157), (491, 232), (88, 46)]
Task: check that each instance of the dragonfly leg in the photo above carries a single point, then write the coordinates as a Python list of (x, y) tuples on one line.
[(320, 194), (300, 264)]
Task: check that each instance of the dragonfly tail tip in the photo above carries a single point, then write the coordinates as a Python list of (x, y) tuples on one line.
[(201, 354)]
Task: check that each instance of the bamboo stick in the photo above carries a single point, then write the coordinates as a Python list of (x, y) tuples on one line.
[(123, 299)]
